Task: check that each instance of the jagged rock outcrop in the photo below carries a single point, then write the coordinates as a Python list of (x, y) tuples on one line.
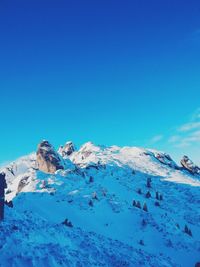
[(22, 183), (189, 165), (164, 158), (67, 149), (48, 159)]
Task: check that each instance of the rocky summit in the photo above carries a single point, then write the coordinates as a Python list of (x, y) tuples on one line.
[(48, 159), (189, 165), (67, 149)]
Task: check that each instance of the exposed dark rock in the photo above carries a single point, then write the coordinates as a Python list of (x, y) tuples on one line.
[(92, 166), (3, 185), (9, 204), (189, 165), (67, 223), (48, 159), (10, 169), (162, 158), (166, 160), (23, 182), (67, 149)]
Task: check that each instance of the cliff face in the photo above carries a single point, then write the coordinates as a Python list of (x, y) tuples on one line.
[(67, 149), (48, 159), (188, 165)]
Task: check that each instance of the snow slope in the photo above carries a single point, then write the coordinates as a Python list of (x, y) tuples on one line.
[(95, 193)]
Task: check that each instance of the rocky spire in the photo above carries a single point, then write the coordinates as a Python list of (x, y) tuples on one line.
[(47, 158), (189, 165), (67, 149)]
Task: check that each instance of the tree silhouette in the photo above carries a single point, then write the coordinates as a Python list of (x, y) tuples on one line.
[(145, 207), (149, 182), (3, 185), (138, 205)]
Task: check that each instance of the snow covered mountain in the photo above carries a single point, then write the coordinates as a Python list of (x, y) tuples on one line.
[(101, 206)]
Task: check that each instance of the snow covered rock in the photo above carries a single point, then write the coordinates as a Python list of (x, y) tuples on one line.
[(88, 154), (22, 183), (47, 158), (67, 149), (163, 158), (189, 165)]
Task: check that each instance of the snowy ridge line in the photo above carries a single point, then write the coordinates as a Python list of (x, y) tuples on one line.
[(106, 206)]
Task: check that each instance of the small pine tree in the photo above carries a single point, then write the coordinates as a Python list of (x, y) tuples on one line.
[(169, 243), (91, 203), (148, 194), (141, 242), (189, 232), (145, 207), (157, 195), (139, 191), (138, 205), (104, 192), (149, 182), (134, 203), (157, 204), (91, 180), (186, 229), (144, 223), (161, 197), (67, 223), (94, 195)]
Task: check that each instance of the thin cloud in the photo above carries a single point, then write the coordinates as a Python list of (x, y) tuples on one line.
[(157, 138), (187, 134), (174, 139), (189, 126)]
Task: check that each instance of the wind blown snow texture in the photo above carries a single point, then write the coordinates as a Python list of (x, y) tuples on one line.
[(95, 193)]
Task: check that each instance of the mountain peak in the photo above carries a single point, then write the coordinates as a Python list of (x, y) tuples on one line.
[(189, 165), (67, 149), (48, 159)]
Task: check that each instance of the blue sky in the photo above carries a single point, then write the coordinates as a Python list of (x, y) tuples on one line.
[(114, 72)]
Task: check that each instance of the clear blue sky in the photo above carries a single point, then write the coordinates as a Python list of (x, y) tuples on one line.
[(114, 72)]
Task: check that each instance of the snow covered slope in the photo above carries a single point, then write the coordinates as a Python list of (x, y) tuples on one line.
[(111, 206)]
